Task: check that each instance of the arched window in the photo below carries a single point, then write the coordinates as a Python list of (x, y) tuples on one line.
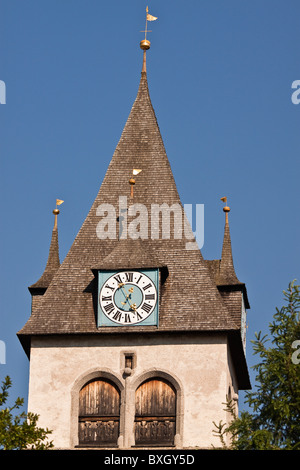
[(99, 413), (155, 413)]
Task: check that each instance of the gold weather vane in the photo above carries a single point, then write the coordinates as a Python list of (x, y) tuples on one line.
[(226, 209), (132, 181), (56, 211), (59, 202), (145, 44), (148, 18)]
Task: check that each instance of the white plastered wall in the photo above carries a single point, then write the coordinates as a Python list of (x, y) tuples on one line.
[(197, 365)]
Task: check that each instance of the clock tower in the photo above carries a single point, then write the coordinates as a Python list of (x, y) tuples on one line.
[(135, 340)]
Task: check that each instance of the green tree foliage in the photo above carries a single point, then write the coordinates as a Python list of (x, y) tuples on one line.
[(19, 431), (274, 422)]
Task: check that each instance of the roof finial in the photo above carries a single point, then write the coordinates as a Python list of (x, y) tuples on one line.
[(56, 211), (226, 209), (145, 43), (132, 181)]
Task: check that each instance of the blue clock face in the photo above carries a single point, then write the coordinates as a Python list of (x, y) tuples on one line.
[(127, 297)]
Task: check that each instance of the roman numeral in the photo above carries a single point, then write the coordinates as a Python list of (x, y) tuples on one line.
[(139, 279), (147, 286), (106, 297), (117, 315), (146, 307), (109, 308), (109, 287), (149, 296), (127, 318), (129, 277), (118, 279)]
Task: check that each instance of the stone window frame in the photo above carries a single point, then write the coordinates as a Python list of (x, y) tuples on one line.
[(127, 387), (84, 378), (175, 382)]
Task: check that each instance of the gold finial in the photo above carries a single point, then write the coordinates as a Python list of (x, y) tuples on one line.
[(226, 209), (56, 211), (145, 43), (132, 181)]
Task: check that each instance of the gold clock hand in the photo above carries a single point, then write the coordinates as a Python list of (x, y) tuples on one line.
[(129, 290), (121, 286)]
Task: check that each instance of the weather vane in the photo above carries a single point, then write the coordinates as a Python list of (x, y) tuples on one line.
[(145, 44), (56, 211), (226, 209), (132, 180)]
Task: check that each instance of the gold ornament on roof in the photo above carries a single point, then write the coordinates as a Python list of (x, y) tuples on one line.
[(145, 43), (132, 181), (225, 208), (56, 211)]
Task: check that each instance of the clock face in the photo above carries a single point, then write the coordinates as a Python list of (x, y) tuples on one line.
[(128, 297)]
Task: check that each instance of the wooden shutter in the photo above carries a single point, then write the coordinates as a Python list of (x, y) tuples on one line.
[(155, 413), (99, 413)]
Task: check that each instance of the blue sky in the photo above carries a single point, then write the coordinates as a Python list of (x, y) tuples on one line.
[(220, 76)]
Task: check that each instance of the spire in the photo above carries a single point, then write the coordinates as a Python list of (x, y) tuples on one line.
[(227, 273), (71, 296), (53, 261)]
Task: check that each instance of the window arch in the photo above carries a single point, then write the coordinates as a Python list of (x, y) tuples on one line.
[(99, 413), (155, 413)]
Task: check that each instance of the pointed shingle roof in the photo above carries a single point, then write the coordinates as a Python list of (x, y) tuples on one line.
[(227, 273), (222, 270), (53, 262), (189, 297)]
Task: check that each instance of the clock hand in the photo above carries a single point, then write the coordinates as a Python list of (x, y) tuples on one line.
[(129, 290), (121, 285)]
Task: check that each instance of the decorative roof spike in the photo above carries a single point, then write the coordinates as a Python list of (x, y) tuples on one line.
[(145, 43), (227, 271), (56, 212), (132, 181), (53, 261), (226, 209)]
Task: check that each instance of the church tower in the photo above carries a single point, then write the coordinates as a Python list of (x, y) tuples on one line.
[(135, 340)]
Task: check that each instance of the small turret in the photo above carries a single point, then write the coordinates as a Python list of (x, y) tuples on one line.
[(227, 272), (53, 263)]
